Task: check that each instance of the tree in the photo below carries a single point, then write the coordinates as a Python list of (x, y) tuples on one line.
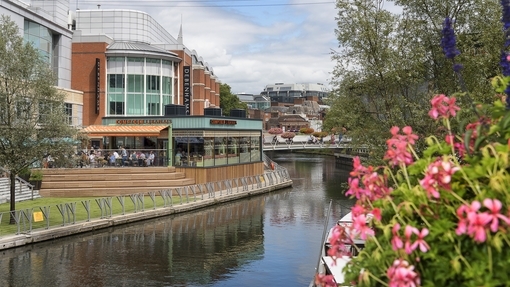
[(229, 101), (32, 118), (389, 66)]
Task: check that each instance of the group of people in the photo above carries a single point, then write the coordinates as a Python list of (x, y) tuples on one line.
[(122, 157)]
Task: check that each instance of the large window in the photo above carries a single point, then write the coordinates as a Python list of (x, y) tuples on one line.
[(139, 86), (68, 109), (215, 151), (40, 38)]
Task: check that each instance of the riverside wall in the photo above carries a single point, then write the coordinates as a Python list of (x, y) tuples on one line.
[(219, 197)]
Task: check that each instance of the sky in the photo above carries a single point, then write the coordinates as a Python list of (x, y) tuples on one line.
[(248, 43)]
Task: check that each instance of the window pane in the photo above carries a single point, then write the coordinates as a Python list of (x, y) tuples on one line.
[(135, 104)]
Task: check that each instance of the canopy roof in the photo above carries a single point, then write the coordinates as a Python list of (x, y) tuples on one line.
[(97, 131)]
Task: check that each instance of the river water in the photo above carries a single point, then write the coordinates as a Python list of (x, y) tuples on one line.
[(267, 240)]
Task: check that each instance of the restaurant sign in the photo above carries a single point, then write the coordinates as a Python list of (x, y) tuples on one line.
[(142, 122), (223, 122)]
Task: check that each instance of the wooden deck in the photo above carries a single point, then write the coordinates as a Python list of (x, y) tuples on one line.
[(113, 181)]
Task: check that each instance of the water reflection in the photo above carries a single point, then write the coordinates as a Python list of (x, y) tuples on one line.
[(194, 248), (268, 240)]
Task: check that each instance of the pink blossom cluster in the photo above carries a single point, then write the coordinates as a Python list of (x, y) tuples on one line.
[(398, 151), (338, 239), (409, 246), (443, 107), (374, 185), (476, 224), (325, 280), (438, 176), (401, 274)]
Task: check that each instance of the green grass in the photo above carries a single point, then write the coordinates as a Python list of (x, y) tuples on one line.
[(80, 214)]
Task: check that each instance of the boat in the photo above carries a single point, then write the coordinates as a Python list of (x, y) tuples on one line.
[(333, 266)]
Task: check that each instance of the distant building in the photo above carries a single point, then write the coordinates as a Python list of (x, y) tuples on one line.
[(287, 93), (255, 102)]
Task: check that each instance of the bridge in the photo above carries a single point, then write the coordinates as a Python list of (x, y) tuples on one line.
[(303, 142)]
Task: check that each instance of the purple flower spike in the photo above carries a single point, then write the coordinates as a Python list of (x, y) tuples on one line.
[(506, 13), (448, 41)]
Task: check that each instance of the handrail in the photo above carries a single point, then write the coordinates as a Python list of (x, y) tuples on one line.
[(21, 181)]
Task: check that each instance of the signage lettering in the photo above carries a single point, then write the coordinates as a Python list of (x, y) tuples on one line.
[(186, 75), (142, 122), (223, 122), (98, 84)]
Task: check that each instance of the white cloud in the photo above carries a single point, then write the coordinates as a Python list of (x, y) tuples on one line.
[(251, 47)]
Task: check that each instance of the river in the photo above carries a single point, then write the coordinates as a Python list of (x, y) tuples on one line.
[(267, 240)]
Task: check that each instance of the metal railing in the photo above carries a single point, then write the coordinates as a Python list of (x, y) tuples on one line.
[(29, 220), (21, 182)]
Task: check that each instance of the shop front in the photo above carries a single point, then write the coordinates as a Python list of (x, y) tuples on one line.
[(187, 142)]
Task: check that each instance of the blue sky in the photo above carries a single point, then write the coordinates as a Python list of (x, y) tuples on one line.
[(249, 44)]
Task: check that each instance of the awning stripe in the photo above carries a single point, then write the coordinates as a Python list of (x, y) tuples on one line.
[(120, 131)]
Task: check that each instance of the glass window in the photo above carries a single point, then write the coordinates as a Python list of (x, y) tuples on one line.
[(68, 109), (135, 104), (153, 104), (116, 104), (244, 149), (116, 83), (135, 84), (233, 150), (167, 85), (220, 157), (255, 149), (153, 84)]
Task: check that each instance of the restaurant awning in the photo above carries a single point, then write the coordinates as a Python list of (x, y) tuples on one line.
[(98, 131)]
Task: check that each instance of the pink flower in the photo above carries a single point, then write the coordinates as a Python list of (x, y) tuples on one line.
[(408, 232), (396, 242), (443, 107), (494, 207), (360, 227), (438, 175), (420, 242), (401, 274), (476, 226), (463, 212), (325, 280), (397, 151)]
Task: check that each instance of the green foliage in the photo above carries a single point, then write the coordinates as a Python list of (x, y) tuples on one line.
[(36, 175), (229, 101), (32, 116), (389, 66)]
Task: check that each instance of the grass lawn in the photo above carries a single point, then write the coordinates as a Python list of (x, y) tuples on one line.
[(34, 208)]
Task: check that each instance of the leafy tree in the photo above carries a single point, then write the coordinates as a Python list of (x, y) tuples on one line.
[(229, 101), (32, 118), (389, 65)]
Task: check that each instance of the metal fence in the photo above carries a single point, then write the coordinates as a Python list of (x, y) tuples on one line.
[(25, 221)]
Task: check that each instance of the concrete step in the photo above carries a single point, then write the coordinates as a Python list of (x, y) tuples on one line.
[(98, 192), (143, 183), (129, 177)]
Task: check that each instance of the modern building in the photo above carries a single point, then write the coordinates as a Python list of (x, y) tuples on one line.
[(255, 102), (287, 93), (132, 84), (44, 24)]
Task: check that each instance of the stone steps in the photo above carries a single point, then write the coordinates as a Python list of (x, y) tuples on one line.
[(22, 194)]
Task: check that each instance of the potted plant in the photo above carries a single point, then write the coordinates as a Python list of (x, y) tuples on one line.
[(35, 179), (24, 174)]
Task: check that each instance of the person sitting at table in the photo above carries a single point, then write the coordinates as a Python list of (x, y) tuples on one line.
[(112, 159), (141, 160), (134, 160)]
